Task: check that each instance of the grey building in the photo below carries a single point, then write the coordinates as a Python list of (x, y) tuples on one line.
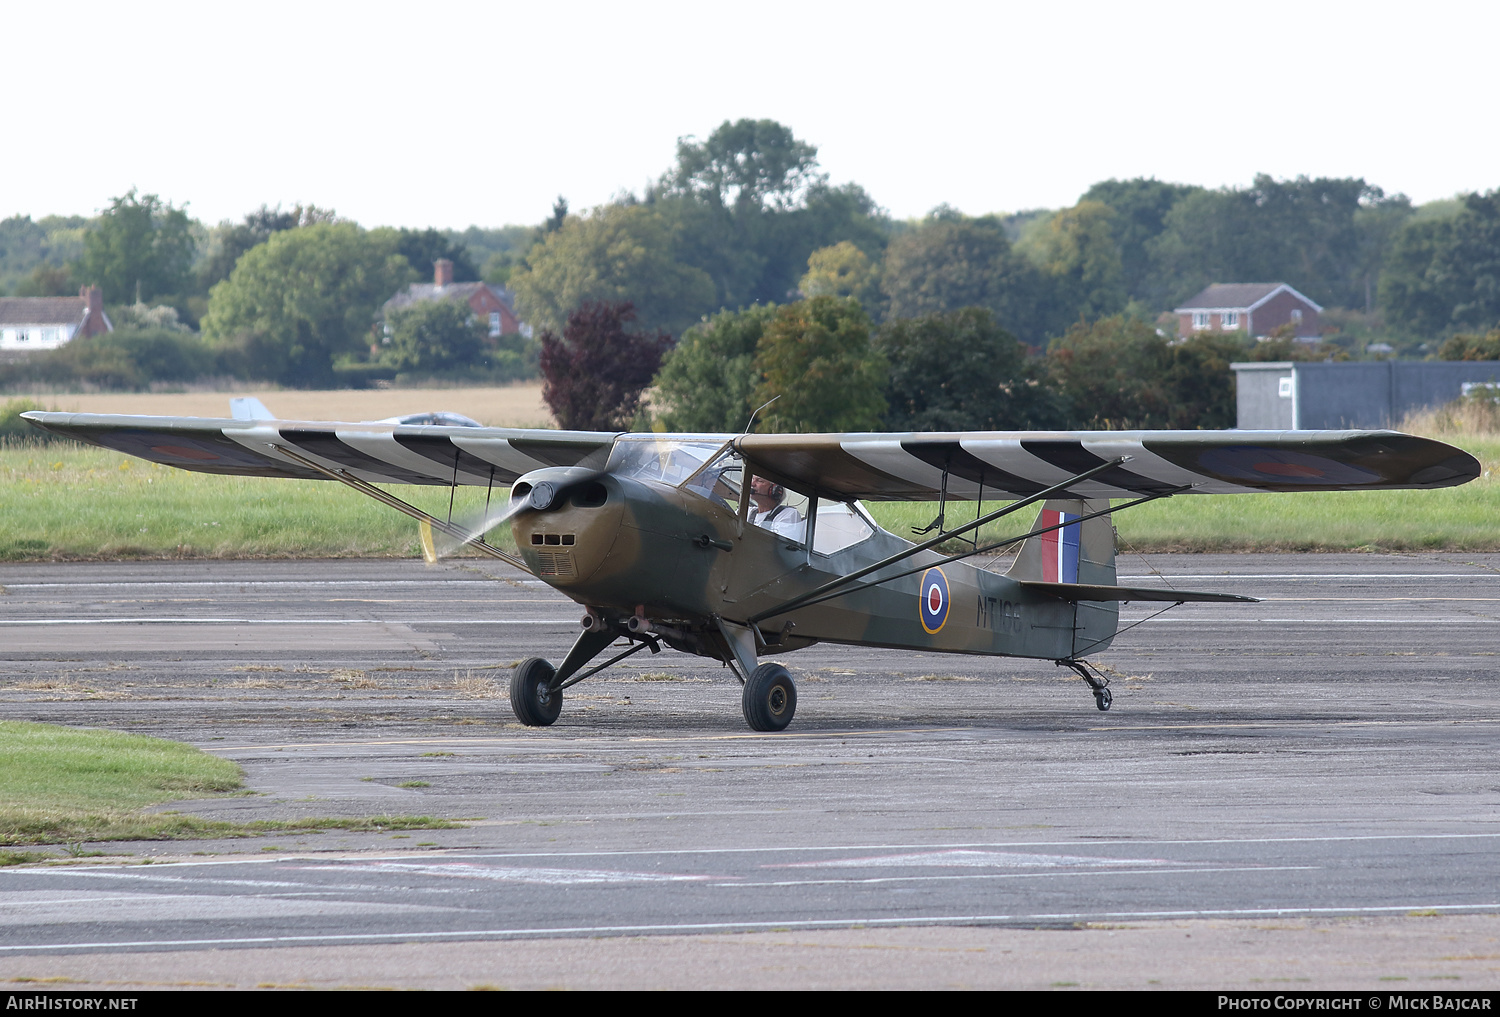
[(1301, 395)]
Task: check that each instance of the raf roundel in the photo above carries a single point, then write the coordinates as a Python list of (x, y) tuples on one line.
[(934, 600)]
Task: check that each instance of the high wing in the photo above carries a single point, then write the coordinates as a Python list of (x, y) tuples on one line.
[(998, 465), (878, 467), (373, 452)]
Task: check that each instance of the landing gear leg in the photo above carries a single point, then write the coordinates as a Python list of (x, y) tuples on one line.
[(1098, 684)]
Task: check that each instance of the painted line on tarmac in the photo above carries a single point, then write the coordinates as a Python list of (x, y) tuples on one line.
[(570, 622), (542, 932), (249, 582), (332, 859), (551, 743), (1039, 873), (1300, 723), (1459, 620), (1231, 576)]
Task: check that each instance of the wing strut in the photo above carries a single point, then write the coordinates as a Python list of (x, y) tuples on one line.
[(478, 543), (988, 517), (804, 602)]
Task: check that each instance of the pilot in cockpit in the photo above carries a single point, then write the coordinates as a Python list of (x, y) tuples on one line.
[(768, 508)]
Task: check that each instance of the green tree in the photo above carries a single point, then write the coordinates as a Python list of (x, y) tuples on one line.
[(1077, 248), (706, 381), (303, 297), (962, 372), (749, 206), (1141, 207), (1444, 274), (228, 241), (32, 252), (1414, 296), (422, 249), (1471, 263), (1120, 372), (619, 253), (433, 335), (840, 270), (816, 356), (949, 262), (47, 281), (139, 249), (1305, 232), (1472, 347)]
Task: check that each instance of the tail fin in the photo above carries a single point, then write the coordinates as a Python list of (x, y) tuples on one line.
[(1076, 553)]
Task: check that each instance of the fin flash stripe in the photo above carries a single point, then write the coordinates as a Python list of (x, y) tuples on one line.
[(1059, 548)]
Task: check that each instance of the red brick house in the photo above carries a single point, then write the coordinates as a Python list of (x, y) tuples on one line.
[(45, 323), (1256, 308), (490, 304)]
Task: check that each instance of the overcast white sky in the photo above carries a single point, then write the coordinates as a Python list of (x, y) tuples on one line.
[(448, 114)]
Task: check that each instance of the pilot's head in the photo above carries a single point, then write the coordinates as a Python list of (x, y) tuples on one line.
[(766, 494)]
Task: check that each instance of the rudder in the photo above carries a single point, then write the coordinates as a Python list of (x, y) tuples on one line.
[(1083, 553), (1077, 553)]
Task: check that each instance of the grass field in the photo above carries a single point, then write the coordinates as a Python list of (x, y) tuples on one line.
[(61, 785), (65, 501), (517, 405)]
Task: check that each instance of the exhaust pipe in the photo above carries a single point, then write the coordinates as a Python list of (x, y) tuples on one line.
[(638, 624)]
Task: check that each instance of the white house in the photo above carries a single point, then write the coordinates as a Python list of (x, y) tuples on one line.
[(45, 323)]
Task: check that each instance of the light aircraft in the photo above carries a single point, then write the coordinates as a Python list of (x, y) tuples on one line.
[(735, 547)]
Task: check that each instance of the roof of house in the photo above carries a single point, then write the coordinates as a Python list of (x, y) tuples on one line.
[(43, 310), (417, 292), (1239, 297)]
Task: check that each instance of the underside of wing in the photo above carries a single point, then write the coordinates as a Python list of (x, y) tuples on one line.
[(373, 452), (998, 465), (1082, 591)]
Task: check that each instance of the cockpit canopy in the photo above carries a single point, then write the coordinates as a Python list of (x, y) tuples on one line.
[(665, 461)]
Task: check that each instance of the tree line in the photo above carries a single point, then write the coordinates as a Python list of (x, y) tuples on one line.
[(743, 230)]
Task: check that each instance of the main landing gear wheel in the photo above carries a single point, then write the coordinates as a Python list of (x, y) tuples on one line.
[(1103, 697), (769, 699), (532, 698)]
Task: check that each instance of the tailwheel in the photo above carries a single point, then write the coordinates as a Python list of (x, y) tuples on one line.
[(532, 698), (769, 698), (1098, 684)]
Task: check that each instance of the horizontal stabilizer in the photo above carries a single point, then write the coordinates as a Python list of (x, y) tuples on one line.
[(1083, 591)]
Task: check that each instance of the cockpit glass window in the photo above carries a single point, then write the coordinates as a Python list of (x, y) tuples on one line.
[(666, 462), (773, 507), (839, 526), (720, 480)]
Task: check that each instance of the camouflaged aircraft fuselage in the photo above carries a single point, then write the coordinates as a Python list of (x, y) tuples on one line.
[(624, 547)]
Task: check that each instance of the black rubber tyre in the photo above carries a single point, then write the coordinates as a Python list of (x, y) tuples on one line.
[(1102, 698), (532, 699), (770, 698)]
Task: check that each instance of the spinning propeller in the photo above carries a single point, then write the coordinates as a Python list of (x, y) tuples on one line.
[(442, 540)]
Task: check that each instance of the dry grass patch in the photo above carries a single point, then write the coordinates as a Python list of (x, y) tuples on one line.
[(477, 686)]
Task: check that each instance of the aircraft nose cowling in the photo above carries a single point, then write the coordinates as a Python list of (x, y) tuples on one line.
[(570, 525)]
